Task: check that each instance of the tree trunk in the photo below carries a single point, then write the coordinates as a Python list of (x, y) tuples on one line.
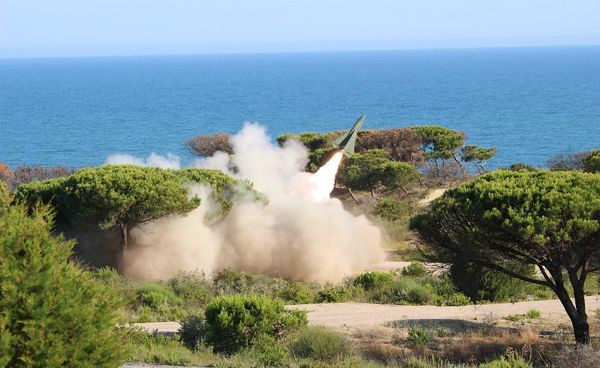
[(576, 314), (124, 237), (352, 195)]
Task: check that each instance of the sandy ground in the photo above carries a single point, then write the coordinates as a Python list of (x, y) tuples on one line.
[(362, 315), (433, 195)]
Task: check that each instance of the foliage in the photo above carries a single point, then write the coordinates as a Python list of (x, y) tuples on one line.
[(297, 293), (372, 169), (235, 322), (27, 174), (415, 269), (477, 155), (439, 144), (511, 360), (372, 280), (401, 145), (191, 331), (533, 314), (547, 219), (6, 174), (334, 294), (319, 343), (156, 296), (391, 209), (592, 162), (519, 166), (481, 283), (157, 349), (269, 352), (53, 313), (570, 161), (208, 145), (418, 336)]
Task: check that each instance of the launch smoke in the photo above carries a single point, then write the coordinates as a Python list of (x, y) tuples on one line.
[(301, 234)]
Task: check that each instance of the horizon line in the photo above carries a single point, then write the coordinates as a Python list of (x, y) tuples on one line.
[(306, 51)]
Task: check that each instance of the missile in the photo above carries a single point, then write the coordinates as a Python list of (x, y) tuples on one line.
[(347, 141)]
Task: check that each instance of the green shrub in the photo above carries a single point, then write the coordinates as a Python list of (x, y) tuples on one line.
[(511, 360), (191, 331), (192, 289), (418, 336), (157, 349), (480, 283), (319, 343), (234, 322), (415, 269), (533, 314), (373, 280), (269, 352), (52, 313), (156, 296), (592, 162), (419, 295), (391, 209), (334, 294), (297, 293), (458, 300)]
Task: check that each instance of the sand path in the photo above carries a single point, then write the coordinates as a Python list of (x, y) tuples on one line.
[(362, 315)]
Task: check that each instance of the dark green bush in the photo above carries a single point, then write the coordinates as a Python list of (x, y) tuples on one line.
[(192, 289), (269, 352), (334, 294), (52, 313), (191, 331), (372, 280), (391, 209), (297, 293), (480, 283), (319, 343), (592, 162), (419, 295), (234, 322), (414, 269)]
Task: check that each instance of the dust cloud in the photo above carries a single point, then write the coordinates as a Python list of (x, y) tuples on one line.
[(300, 234)]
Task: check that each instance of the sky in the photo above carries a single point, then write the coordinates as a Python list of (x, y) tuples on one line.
[(49, 28)]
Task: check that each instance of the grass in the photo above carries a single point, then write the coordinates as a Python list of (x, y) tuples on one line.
[(319, 343)]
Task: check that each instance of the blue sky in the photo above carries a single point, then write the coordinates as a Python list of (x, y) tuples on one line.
[(130, 27)]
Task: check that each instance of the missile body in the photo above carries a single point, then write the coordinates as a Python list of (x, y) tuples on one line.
[(347, 142)]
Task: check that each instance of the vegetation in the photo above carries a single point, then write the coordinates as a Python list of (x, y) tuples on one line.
[(53, 313), (319, 343), (118, 197), (372, 169), (236, 322), (208, 145), (591, 163), (477, 155), (545, 219)]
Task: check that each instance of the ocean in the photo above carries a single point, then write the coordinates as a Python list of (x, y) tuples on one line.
[(530, 103)]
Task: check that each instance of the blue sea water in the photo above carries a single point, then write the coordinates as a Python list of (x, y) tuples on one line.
[(531, 103)]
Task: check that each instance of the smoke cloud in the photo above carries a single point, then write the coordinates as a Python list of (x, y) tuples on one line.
[(300, 234)]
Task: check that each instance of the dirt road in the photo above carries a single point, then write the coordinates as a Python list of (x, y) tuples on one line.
[(361, 315)]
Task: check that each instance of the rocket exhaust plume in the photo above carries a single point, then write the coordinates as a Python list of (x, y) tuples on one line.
[(301, 234)]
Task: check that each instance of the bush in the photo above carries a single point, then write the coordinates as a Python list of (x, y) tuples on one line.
[(53, 313), (269, 352), (533, 314), (192, 289), (191, 331), (156, 296), (480, 283), (391, 209), (157, 349), (592, 162), (373, 280), (458, 299), (297, 293), (335, 294), (511, 360), (418, 336), (319, 343), (234, 322), (419, 295), (415, 269)]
